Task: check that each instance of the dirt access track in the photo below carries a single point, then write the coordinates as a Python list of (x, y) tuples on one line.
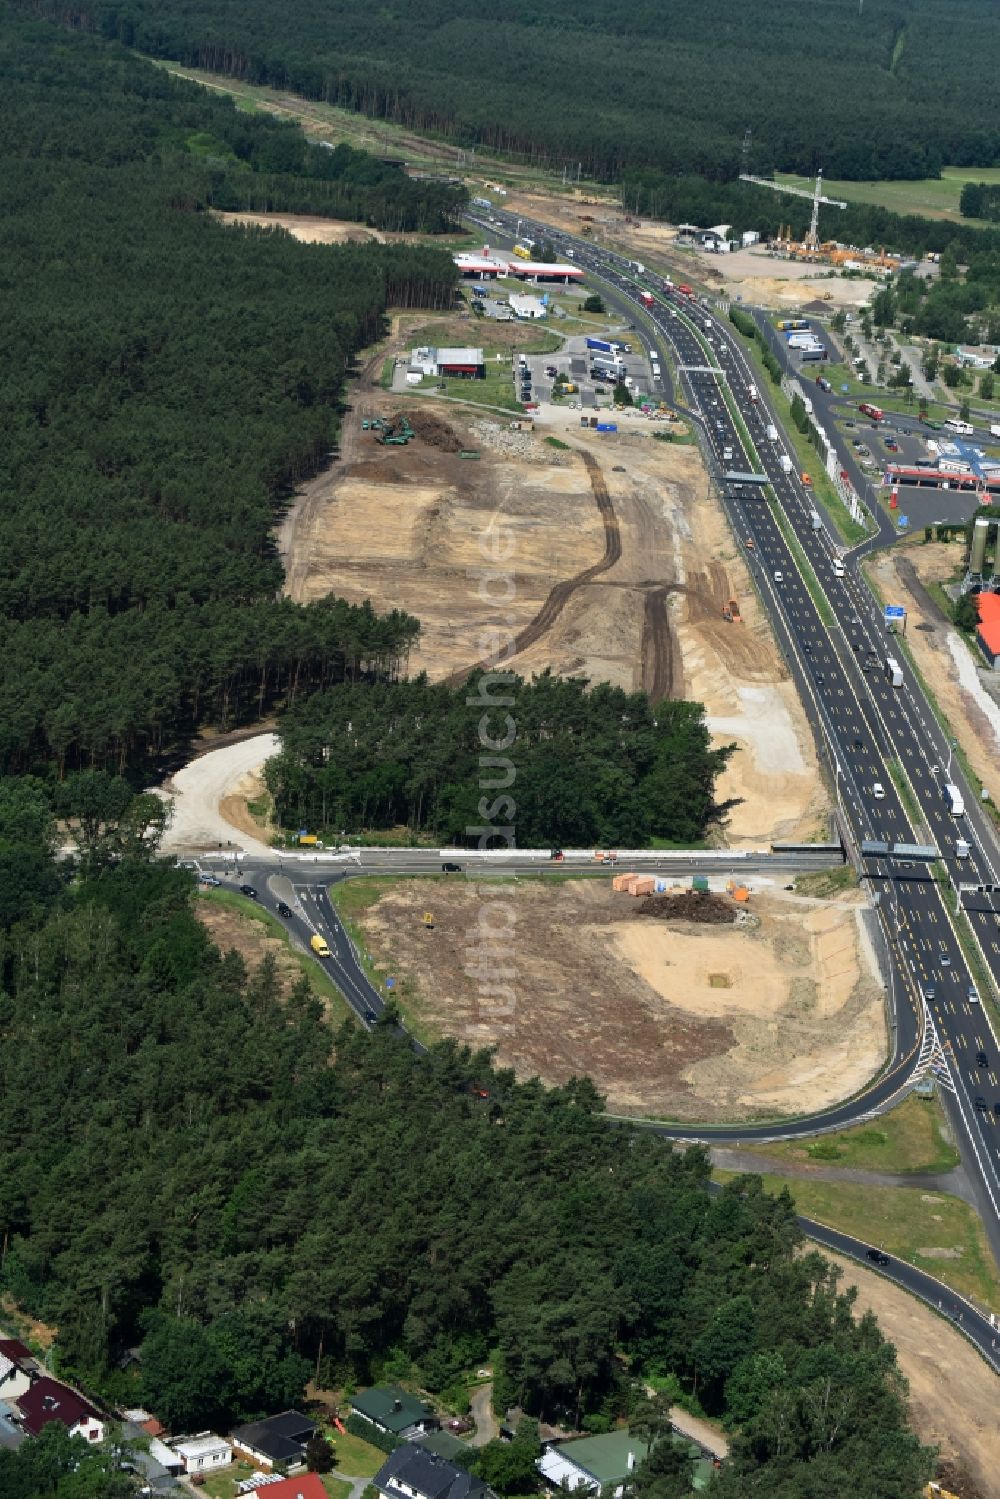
[(952, 1394), (616, 565), (671, 1019)]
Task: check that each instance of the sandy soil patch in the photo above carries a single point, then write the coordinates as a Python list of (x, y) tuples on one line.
[(629, 519), (230, 929), (312, 230), (670, 1019), (952, 1394), (939, 651)]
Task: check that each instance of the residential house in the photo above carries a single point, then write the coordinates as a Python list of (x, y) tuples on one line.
[(605, 1465), (276, 1439), (202, 1453), (596, 1464), (305, 1486), (48, 1400), (18, 1367), (393, 1411), (411, 1472)]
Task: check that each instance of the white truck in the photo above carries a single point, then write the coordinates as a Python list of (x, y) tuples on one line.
[(727, 454), (815, 521), (752, 392), (772, 432), (893, 671), (995, 429), (786, 463), (952, 795)]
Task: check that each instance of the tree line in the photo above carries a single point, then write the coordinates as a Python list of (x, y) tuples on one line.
[(169, 381), (255, 1199), (616, 84), (565, 763)]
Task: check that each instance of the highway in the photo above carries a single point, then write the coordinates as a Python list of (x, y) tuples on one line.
[(888, 757)]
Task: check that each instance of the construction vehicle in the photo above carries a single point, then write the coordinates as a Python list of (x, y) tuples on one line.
[(393, 430), (734, 611), (429, 921)]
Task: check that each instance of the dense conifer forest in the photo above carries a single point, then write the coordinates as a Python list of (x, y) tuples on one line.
[(586, 767), (256, 1199), (167, 380), (876, 90)]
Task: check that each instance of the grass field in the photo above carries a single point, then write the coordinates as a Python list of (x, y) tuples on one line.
[(939, 1234), (934, 198), (909, 1138)]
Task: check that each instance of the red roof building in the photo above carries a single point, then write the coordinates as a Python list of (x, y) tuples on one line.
[(309, 1486), (15, 1350), (988, 633), (48, 1400)]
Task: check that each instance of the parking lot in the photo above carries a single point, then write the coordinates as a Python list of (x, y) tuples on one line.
[(590, 390)]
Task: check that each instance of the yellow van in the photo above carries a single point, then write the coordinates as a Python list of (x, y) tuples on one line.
[(319, 946)]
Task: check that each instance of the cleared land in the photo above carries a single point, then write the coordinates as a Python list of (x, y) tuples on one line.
[(931, 197), (257, 936), (670, 1019), (621, 564), (952, 1393)]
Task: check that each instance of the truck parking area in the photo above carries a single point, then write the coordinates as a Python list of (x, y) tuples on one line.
[(586, 377)]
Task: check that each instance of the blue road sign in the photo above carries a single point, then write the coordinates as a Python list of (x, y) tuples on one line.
[(895, 611)]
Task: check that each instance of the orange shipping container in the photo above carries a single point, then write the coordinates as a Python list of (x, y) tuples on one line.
[(644, 885), (621, 882), (741, 893)]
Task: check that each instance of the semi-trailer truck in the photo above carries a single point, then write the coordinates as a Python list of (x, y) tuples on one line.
[(646, 298), (874, 412), (815, 351), (893, 672), (995, 429), (789, 323), (599, 343)]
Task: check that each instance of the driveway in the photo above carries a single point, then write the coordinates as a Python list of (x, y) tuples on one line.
[(487, 1426)]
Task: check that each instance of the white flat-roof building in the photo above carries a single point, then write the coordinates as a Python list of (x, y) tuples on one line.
[(202, 1453), (527, 308)]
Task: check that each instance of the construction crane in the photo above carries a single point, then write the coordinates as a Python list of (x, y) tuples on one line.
[(817, 195)]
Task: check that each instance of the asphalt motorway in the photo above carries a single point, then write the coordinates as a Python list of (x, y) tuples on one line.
[(887, 755)]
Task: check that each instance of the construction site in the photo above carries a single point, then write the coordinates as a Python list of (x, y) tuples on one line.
[(685, 1004), (622, 569)]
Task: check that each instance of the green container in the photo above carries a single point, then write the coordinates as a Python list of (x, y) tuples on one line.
[(699, 882)]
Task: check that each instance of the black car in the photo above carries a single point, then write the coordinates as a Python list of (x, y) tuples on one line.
[(981, 1102), (996, 1109), (982, 1060), (370, 1017), (877, 1256), (248, 891), (451, 869), (859, 744), (284, 910)]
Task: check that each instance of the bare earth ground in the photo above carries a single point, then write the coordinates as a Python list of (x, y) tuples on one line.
[(313, 230), (751, 274), (412, 527), (952, 1395), (229, 928), (928, 637), (670, 1019)]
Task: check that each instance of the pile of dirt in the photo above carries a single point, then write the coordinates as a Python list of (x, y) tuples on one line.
[(432, 430), (693, 905)]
